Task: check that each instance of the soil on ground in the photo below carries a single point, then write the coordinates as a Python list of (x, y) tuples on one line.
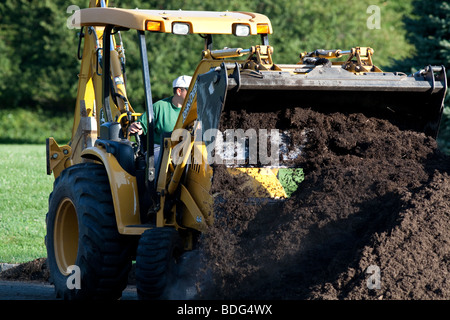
[(35, 270)]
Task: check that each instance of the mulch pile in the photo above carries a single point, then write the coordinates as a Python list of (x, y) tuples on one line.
[(35, 270), (374, 198)]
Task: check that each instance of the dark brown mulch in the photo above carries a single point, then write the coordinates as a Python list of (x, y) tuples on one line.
[(35, 270), (372, 195)]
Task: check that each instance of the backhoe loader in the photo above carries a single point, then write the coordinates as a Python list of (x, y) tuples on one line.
[(112, 204)]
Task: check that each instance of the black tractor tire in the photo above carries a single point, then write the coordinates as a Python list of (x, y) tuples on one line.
[(82, 232), (157, 256)]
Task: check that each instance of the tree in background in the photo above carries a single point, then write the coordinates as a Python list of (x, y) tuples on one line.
[(428, 29), (5, 63), (39, 64), (40, 53)]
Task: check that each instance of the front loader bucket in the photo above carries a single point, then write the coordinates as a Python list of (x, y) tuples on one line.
[(412, 102)]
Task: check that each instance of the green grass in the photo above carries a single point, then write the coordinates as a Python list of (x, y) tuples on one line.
[(24, 191)]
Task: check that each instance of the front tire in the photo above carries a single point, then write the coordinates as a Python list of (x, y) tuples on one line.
[(82, 232), (157, 256)]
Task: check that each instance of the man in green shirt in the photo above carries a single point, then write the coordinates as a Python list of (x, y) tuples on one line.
[(165, 113)]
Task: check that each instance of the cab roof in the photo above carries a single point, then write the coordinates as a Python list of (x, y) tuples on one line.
[(200, 22)]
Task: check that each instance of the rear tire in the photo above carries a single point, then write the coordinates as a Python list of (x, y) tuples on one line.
[(82, 231), (157, 256)]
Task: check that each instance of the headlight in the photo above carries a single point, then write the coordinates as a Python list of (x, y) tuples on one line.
[(180, 28), (241, 30)]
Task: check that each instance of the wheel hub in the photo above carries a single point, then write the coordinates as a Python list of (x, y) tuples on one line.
[(66, 236)]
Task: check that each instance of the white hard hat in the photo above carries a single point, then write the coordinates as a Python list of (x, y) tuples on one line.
[(182, 82)]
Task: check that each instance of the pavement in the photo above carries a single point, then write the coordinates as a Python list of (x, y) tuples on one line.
[(30, 290)]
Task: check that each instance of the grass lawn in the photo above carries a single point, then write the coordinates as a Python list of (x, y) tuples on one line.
[(24, 191)]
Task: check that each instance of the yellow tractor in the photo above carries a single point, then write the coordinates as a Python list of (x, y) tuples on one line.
[(112, 204)]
